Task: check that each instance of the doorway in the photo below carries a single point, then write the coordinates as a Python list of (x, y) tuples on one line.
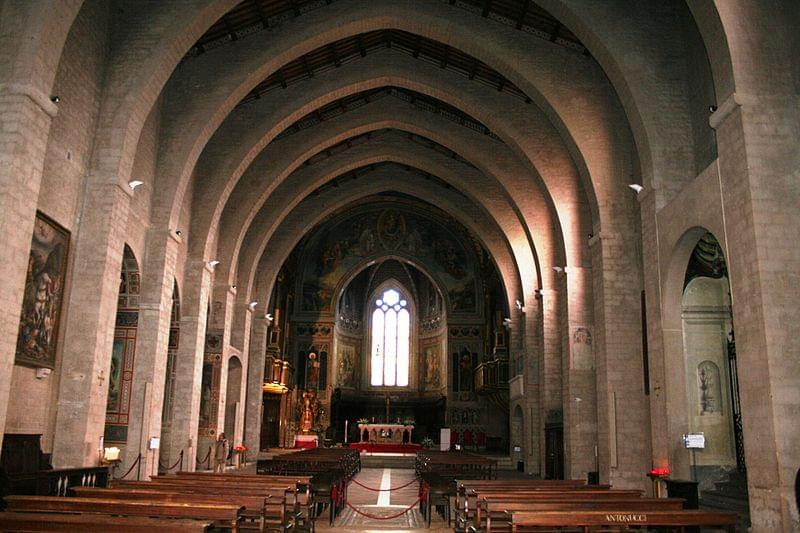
[(270, 421), (554, 451)]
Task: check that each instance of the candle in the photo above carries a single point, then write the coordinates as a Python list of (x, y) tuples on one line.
[(345, 431)]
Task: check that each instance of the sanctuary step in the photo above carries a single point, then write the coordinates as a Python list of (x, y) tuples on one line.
[(388, 460)]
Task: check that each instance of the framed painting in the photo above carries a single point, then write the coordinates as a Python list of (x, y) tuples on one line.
[(44, 292)]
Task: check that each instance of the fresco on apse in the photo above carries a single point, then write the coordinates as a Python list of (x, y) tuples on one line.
[(378, 231)]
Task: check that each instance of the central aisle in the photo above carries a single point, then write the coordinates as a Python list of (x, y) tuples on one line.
[(384, 504)]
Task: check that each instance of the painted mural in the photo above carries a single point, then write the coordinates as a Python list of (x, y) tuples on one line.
[(432, 365), (349, 358), (44, 289), (378, 231)]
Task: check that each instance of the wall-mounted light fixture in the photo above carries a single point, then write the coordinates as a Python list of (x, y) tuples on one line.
[(636, 187), (252, 305), (213, 263), (135, 183)]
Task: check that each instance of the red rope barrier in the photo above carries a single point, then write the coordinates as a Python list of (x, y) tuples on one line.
[(176, 462), (404, 511), (136, 462), (383, 490)]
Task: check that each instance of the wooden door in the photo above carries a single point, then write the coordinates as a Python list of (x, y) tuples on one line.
[(554, 452), (271, 421)]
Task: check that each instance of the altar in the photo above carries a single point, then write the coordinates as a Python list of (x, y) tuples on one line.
[(385, 433)]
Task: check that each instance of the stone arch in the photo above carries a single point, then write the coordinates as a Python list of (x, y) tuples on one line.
[(416, 20), (309, 213), (404, 154), (271, 163), (400, 71)]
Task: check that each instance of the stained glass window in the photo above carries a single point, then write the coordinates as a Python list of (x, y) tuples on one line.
[(391, 332)]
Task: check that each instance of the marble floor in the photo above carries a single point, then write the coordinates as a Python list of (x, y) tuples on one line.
[(388, 505)]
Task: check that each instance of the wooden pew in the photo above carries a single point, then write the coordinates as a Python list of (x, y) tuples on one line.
[(94, 523), (467, 487), (228, 516), (621, 520), (471, 510), (496, 512), (266, 511), (284, 505)]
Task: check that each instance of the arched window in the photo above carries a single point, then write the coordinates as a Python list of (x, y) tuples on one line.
[(391, 332)]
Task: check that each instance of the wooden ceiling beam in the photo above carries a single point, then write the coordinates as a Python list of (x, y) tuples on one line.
[(260, 11), (522, 13), (361, 49), (337, 61)]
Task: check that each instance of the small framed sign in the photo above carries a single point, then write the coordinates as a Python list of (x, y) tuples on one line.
[(155, 443), (694, 441)]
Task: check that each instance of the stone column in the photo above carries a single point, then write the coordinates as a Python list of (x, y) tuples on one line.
[(530, 324), (759, 159), (25, 117), (189, 362), (579, 380), (89, 328), (255, 380), (149, 371), (623, 416)]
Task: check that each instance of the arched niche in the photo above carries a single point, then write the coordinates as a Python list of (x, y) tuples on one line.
[(709, 401), (123, 352)]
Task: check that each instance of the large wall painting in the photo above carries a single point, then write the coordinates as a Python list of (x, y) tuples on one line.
[(349, 359), (379, 231), (44, 292)]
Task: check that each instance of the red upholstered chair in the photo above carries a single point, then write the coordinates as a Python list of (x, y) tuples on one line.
[(453, 439), (480, 440), (467, 438)]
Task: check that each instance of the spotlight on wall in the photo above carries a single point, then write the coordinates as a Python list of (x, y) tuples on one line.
[(636, 187), (520, 306), (507, 323), (178, 232), (135, 183), (233, 287), (538, 293), (712, 108), (252, 305), (269, 317), (558, 269), (213, 263), (55, 99)]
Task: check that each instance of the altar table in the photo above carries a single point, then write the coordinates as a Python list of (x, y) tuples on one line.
[(385, 433)]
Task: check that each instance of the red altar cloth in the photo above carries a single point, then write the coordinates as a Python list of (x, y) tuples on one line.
[(385, 448)]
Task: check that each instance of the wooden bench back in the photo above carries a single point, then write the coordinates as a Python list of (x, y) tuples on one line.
[(621, 518)]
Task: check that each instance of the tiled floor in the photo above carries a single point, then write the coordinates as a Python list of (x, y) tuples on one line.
[(383, 504)]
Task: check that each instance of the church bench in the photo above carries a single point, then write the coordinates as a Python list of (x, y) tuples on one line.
[(266, 511), (494, 514), (471, 505), (297, 503), (93, 523), (621, 520), (465, 487), (227, 516)]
